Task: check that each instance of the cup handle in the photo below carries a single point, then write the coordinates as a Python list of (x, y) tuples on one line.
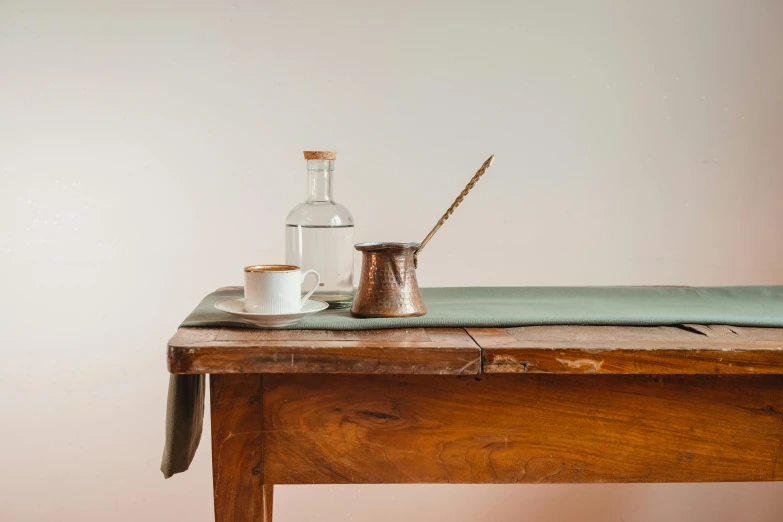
[(317, 282)]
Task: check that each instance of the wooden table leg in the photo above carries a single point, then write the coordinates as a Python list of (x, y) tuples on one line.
[(237, 449), (269, 490)]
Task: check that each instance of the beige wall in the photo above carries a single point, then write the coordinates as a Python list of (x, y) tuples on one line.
[(149, 150)]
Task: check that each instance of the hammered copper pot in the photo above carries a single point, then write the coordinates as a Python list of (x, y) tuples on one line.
[(387, 285)]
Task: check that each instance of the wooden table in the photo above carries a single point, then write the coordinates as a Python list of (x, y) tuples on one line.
[(555, 404)]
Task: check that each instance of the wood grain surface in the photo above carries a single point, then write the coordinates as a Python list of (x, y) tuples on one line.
[(439, 351), (687, 349), (521, 428), (237, 449)]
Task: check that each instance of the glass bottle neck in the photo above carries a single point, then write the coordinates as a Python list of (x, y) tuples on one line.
[(319, 180)]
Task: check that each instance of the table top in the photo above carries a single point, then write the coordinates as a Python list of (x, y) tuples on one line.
[(683, 349)]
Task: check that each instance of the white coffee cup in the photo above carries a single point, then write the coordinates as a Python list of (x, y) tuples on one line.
[(276, 289)]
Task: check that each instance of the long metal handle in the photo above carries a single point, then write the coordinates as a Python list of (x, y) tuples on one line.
[(454, 205)]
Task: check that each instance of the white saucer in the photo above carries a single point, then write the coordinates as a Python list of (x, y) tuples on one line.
[(237, 307)]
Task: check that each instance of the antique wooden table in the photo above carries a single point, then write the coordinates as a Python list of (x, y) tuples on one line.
[(557, 404)]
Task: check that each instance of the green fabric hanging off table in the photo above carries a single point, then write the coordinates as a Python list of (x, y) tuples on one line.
[(477, 307)]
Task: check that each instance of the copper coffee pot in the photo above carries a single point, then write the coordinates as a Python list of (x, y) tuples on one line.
[(387, 285)]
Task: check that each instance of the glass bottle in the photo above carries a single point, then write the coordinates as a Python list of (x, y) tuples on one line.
[(319, 234)]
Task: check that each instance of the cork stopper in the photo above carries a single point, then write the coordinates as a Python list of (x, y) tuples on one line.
[(319, 155)]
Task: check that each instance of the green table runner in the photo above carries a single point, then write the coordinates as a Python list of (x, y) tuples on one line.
[(487, 307), (516, 306)]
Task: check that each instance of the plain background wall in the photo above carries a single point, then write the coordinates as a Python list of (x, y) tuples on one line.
[(150, 150)]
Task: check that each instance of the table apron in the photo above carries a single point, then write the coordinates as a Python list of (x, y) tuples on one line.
[(520, 428)]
